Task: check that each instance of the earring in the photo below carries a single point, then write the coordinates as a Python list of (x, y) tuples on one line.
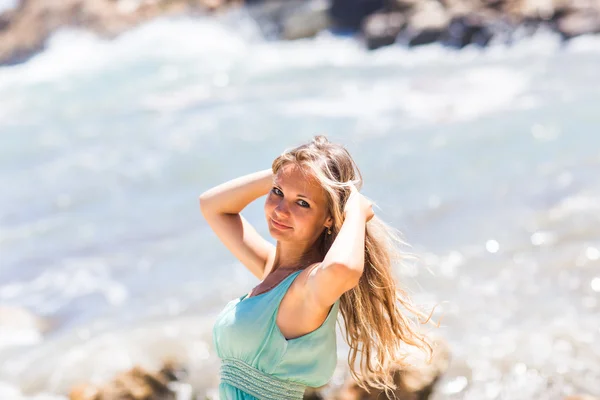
[(329, 231)]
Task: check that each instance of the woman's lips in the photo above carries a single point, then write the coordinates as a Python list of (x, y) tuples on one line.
[(279, 225)]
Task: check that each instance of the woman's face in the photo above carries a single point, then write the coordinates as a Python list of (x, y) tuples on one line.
[(296, 206)]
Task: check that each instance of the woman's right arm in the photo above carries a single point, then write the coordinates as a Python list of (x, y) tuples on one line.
[(221, 207)]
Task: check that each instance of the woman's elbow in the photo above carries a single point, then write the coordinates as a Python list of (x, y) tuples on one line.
[(205, 203)]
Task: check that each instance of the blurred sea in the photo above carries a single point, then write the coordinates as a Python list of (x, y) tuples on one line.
[(487, 160), (8, 4)]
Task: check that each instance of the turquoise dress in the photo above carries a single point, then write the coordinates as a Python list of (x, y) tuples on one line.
[(258, 362)]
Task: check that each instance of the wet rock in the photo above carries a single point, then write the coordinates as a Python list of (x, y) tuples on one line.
[(136, 384), (467, 29), (306, 21), (351, 14), (290, 19), (381, 29), (414, 383), (25, 30), (428, 21), (578, 22)]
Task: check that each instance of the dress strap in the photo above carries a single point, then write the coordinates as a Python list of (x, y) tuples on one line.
[(284, 285), (287, 282)]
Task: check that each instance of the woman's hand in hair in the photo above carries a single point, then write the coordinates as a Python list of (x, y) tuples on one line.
[(344, 263), (358, 203)]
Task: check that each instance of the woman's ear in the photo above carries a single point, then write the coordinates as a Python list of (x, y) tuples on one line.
[(328, 222)]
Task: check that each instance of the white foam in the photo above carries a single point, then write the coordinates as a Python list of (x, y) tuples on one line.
[(68, 51), (58, 285), (466, 95), (19, 337), (462, 96), (584, 44), (74, 51), (212, 42), (177, 99)]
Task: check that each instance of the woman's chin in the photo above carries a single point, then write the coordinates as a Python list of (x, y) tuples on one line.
[(274, 232), (277, 233)]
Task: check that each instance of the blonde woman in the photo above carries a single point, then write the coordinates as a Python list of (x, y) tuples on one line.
[(331, 256)]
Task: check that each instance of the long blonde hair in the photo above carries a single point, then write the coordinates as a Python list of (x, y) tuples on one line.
[(376, 328)]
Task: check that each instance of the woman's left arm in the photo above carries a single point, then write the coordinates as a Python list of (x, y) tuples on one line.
[(343, 264)]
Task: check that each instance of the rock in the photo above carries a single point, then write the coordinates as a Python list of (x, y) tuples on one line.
[(535, 9), (306, 21), (350, 14), (290, 19), (85, 392), (414, 383), (402, 5), (467, 29), (313, 394), (578, 22), (25, 30), (135, 384), (426, 24), (381, 29)]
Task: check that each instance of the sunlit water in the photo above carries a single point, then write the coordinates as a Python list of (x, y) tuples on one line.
[(487, 160)]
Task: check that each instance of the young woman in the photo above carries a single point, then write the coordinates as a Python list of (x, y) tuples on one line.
[(331, 255)]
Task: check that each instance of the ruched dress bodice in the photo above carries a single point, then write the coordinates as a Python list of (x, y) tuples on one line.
[(258, 362)]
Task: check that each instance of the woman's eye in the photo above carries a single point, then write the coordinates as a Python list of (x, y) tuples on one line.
[(302, 203), (277, 191)]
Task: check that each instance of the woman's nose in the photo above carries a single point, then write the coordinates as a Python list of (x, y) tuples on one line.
[(282, 208)]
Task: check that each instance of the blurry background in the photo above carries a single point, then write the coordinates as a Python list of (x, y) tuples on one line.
[(482, 147)]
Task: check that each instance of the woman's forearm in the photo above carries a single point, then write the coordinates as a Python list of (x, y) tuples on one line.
[(233, 196), (348, 248)]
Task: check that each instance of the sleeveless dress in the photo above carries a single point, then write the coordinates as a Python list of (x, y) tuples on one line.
[(258, 362)]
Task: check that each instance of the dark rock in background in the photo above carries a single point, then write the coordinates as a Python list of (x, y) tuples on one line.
[(466, 30), (351, 14), (382, 29), (137, 384)]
